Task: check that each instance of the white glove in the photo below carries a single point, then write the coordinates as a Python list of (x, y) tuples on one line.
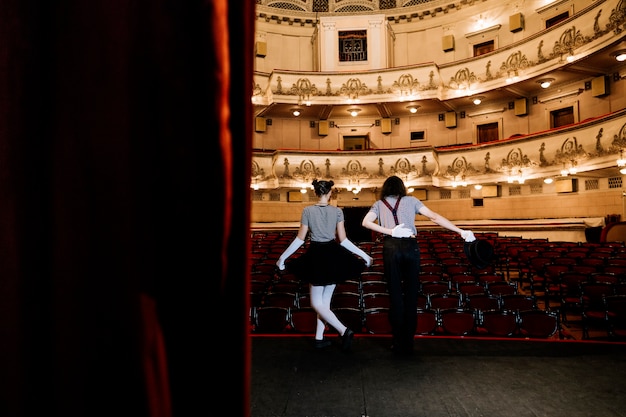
[(294, 246), (468, 235), (352, 248), (401, 231)]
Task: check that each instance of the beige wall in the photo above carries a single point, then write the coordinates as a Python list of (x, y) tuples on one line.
[(547, 205)]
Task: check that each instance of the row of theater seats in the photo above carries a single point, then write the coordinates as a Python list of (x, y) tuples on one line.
[(583, 281), (448, 283), (531, 323)]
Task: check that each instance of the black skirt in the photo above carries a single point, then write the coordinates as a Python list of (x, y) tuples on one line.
[(326, 263)]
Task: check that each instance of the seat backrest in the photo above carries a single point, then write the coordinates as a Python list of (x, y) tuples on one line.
[(279, 299), (348, 286), (540, 324), (374, 287), (469, 288), (498, 322), (518, 302), (502, 287), (435, 287), (593, 294), (615, 314), (435, 268), (347, 299), (303, 320), (372, 276), (489, 277), (271, 319), (585, 269), (604, 277), (616, 307), (377, 320), (376, 300), (461, 277), (457, 321), (570, 282), (616, 269), (427, 321), (482, 302), (552, 271), (445, 301)]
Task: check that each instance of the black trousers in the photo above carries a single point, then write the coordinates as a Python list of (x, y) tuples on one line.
[(401, 257)]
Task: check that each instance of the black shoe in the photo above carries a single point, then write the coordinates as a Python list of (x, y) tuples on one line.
[(321, 344), (346, 340)]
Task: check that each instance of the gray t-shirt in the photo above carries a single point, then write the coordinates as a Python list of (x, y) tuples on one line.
[(407, 209), (322, 221)]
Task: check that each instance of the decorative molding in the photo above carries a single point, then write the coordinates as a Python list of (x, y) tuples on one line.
[(560, 95), (483, 31), (484, 112), (551, 6)]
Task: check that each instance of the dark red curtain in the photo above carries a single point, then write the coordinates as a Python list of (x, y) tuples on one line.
[(124, 207)]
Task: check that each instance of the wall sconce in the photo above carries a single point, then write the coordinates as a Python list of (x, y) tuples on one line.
[(621, 162), (356, 189), (477, 100), (548, 180), (619, 55), (462, 183), (516, 176), (303, 190), (545, 82), (571, 170), (478, 187), (354, 111), (295, 112)]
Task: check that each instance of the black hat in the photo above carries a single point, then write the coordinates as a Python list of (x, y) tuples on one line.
[(479, 253)]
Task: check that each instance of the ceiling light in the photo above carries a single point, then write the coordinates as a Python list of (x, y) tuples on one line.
[(621, 162), (545, 82), (295, 112), (619, 55), (354, 111), (413, 108), (477, 100)]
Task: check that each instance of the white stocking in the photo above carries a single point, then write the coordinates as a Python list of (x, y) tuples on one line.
[(321, 295)]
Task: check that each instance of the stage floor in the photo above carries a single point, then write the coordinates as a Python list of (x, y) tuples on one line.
[(445, 377)]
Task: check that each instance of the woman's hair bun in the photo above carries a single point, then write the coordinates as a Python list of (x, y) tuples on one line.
[(322, 187)]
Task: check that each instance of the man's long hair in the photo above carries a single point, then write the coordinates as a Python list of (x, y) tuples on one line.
[(393, 186)]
